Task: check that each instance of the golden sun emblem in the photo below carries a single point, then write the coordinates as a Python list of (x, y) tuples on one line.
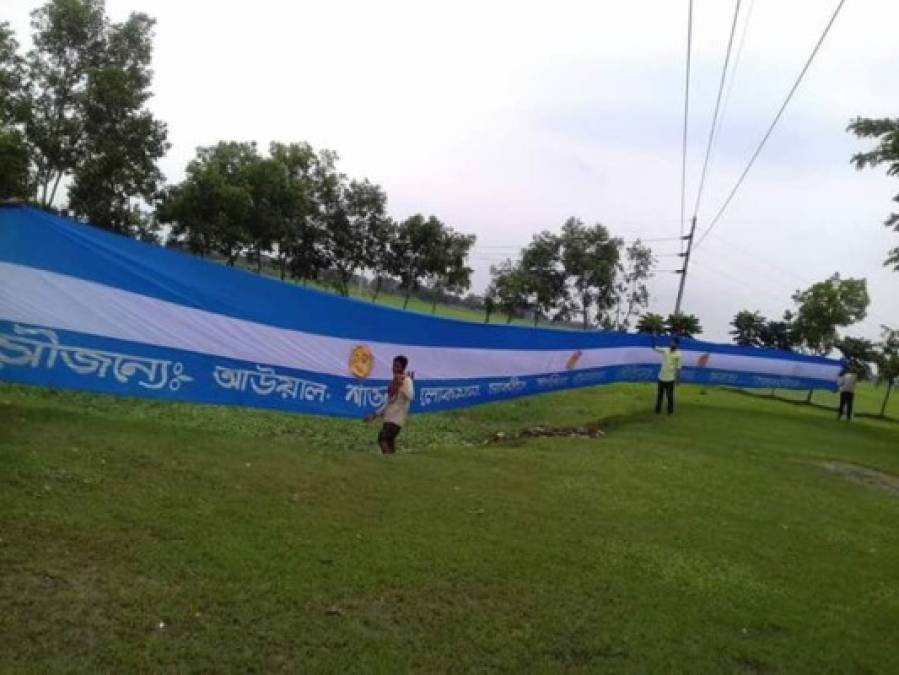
[(361, 361), (703, 360), (573, 359)]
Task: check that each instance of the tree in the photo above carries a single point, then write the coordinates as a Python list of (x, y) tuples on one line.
[(413, 252), (589, 257), (15, 157), (510, 286), (271, 200), (887, 360), (544, 274), (68, 43), (825, 306), (212, 208), (631, 291), (489, 300), (778, 334), (351, 213), (122, 139), (301, 244), (87, 84), (749, 327), (15, 161), (651, 324), (858, 353), (449, 270), (12, 78), (886, 152), (683, 325), (381, 237)]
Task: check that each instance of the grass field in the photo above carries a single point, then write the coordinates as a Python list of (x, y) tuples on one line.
[(147, 537)]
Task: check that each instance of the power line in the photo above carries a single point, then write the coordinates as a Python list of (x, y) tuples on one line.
[(777, 117), (507, 249), (690, 238), (708, 149), (753, 256), (656, 239), (722, 117), (683, 170), (736, 66)]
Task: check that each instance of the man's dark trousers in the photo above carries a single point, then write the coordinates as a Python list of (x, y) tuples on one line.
[(666, 389)]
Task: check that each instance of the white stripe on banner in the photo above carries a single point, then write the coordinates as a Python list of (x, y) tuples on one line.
[(37, 297)]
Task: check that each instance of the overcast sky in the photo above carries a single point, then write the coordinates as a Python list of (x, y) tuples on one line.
[(505, 118)]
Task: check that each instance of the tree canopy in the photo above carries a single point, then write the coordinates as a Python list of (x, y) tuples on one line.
[(74, 107), (825, 306), (886, 131)]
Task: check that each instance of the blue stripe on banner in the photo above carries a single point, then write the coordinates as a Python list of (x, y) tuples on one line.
[(35, 239), (67, 360)]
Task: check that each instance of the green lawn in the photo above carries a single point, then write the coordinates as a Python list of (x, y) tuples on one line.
[(145, 537), (397, 301)]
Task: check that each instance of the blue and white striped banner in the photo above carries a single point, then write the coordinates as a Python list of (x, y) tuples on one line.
[(81, 308)]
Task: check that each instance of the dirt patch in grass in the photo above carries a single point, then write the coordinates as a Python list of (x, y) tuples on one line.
[(862, 475), (591, 430)]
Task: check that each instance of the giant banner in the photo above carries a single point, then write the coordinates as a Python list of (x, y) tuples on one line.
[(81, 308)]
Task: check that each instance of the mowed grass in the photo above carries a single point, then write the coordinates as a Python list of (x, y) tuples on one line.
[(149, 537)]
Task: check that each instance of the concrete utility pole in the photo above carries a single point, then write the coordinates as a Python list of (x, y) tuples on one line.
[(683, 272)]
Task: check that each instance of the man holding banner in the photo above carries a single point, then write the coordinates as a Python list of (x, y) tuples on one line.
[(672, 362), (395, 410)]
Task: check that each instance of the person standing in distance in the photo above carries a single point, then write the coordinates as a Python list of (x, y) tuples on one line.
[(846, 385), (395, 411), (668, 373)]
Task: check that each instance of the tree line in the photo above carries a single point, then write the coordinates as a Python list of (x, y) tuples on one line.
[(293, 206), (582, 273), (812, 327)]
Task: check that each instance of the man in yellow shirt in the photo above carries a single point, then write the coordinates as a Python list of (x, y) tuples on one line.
[(668, 374)]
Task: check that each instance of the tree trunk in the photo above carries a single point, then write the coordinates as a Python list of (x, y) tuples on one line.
[(378, 281), (434, 304), (44, 185), (258, 261), (55, 185), (808, 399), (508, 318), (344, 278), (536, 319), (486, 316), (886, 398), (281, 264), (406, 301)]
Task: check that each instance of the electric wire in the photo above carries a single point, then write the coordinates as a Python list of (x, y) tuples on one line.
[(708, 149), (777, 117)]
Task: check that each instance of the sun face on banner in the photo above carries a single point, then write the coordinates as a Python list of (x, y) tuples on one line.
[(361, 361), (571, 364), (703, 360)]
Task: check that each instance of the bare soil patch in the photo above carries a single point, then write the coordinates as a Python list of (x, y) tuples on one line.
[(862, 475), (591, 430)]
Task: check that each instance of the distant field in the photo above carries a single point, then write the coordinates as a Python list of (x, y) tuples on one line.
[(742, 535), (415, 304)]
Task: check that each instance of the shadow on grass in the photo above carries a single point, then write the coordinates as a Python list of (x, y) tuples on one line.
[(807, 404)]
